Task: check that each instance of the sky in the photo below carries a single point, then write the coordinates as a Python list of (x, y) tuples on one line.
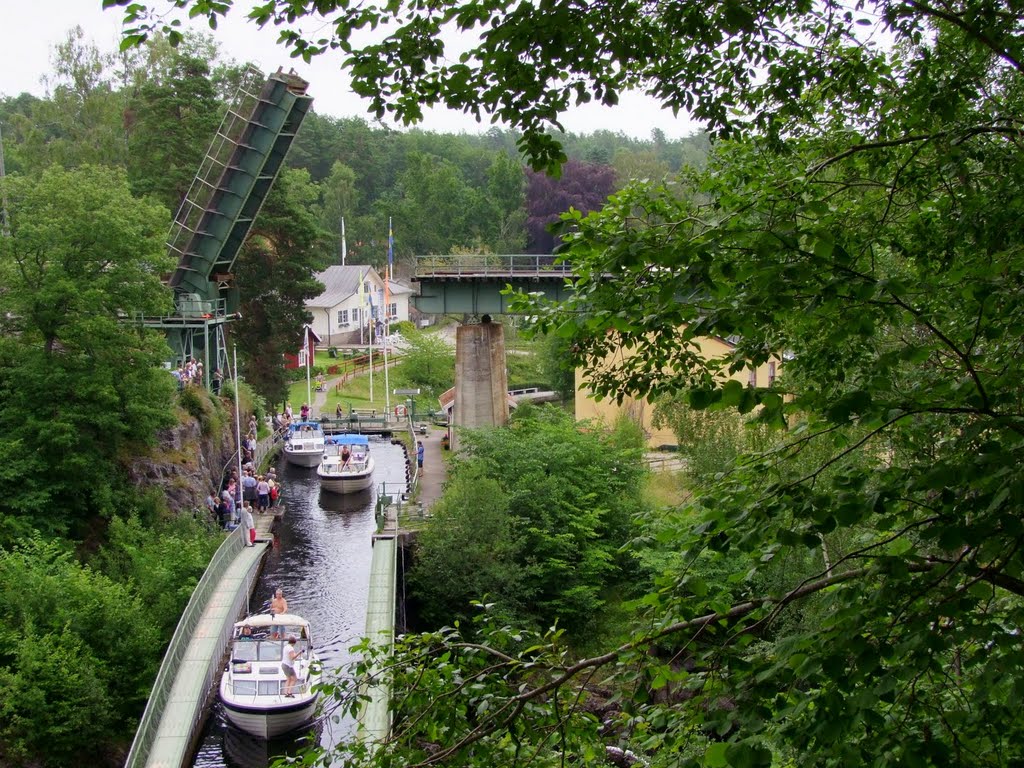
[(30, 31)]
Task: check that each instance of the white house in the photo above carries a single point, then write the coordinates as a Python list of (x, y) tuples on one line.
[(341, 315)]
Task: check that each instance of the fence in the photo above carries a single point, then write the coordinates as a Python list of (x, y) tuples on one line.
[(150, 723)]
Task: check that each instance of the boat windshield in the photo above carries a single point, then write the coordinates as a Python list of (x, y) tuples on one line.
[(257, 650)]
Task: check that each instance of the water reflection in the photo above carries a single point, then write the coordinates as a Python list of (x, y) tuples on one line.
[(321, 559)]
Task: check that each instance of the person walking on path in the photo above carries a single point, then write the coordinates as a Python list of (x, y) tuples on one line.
[(249, 527), (419, 454)]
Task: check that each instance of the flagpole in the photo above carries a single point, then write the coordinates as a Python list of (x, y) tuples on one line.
[(344, 247), (370, 331), (309, 389), (238, 437), (387, 316)]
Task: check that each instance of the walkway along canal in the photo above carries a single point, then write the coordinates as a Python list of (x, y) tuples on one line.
[(321, 559)]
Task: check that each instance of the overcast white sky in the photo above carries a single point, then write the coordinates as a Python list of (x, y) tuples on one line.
[(29, 32)]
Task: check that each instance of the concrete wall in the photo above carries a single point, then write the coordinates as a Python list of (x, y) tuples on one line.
[(640, 410), (481, 382)]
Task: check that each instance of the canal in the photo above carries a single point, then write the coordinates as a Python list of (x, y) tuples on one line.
[(321, 559)]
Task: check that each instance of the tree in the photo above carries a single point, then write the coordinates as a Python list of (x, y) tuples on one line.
[(275, 272), (428, 362), (65, 688), (435, 205), (582, 186), (172, 122), (82, 121), (863, 224), (505, 215), (538, 513), (340, 199), (81, 379)]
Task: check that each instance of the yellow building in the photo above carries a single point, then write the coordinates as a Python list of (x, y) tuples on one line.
[(640, 411)]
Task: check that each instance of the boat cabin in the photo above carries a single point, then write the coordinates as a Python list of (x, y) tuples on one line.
[(305, 435), (356, 446), (257, 649)]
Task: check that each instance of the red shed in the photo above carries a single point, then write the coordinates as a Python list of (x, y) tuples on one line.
[(298, 360)]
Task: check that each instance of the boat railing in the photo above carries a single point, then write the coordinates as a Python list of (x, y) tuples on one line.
[(250, 687)]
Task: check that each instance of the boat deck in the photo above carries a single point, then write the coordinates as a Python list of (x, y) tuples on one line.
[(201, 661)]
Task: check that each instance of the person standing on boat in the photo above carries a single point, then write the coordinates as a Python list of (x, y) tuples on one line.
[(249, 527), (278, 605), (288, 663)]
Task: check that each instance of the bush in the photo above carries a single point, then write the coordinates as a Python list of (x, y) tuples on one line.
[(197, 402)]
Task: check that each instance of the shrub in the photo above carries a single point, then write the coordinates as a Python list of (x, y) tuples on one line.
[(197, 402)]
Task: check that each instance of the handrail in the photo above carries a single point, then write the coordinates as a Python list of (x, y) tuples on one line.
[(150, 721), (492, 265)]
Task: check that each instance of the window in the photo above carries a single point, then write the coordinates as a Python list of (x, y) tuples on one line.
[(392, 310), (771, 373), (355, 316), (342, 317), (753, 377), (269, 688)]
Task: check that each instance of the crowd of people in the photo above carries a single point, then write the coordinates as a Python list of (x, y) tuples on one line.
[(235, 503)]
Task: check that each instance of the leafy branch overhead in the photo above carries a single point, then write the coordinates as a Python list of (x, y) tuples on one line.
[(859, 225), (738, 68)]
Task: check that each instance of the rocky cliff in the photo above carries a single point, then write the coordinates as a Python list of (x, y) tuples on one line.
[(186, 462)]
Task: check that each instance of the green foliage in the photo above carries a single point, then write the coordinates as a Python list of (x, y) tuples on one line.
[(541, 535), (556, 365), (275, 273), (173, 121), (54, 701), (161, 562), (869, 235), (428, 362), (79, 384), (66, 688), (477, 672), (203, 408)]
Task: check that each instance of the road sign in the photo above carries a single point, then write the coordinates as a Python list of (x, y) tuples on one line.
[(406, 391)]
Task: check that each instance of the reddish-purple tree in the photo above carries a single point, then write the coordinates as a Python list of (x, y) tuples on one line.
[(583, 186)]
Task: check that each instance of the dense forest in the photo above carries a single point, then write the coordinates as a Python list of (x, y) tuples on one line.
[(845, 583), (94, 571)]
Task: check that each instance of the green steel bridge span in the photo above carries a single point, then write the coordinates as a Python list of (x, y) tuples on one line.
[(219, 209), (473, 283)]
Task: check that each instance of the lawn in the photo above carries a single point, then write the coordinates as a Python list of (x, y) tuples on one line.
[(355, 394)]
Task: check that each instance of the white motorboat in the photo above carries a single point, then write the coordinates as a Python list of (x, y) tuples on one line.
[(253, 688), (347, 466), (304, 444)]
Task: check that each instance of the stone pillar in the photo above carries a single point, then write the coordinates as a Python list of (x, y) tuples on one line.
[(481, 383)]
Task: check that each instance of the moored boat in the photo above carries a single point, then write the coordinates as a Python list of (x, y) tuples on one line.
[(304, 443), (254, 687), (347, 466)]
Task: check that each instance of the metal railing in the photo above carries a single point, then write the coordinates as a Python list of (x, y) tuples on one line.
[(497, 265), (150, 722)]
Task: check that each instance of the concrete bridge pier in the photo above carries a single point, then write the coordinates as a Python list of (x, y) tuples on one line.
[(481, 381)]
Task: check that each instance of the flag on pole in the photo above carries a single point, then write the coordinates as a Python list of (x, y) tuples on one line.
[(391, 247), (344, 246)]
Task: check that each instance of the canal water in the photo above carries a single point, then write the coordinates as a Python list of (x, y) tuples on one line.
[(321, 559)]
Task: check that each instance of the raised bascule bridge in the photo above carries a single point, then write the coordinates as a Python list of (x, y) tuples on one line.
[(219, 210)]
